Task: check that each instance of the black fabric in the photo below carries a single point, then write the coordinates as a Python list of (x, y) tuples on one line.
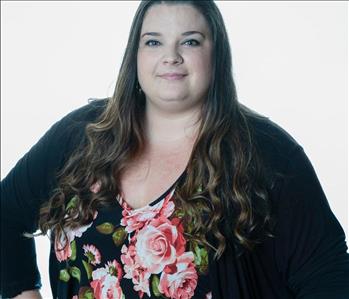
[(307, 259), (25, 187)]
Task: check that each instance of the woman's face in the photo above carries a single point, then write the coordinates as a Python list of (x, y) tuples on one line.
[(168, 44)]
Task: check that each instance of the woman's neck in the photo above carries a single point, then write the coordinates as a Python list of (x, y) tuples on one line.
[(171, 128)]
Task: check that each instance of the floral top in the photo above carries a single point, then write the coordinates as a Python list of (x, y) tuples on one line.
[(131, 253), (307, 258)]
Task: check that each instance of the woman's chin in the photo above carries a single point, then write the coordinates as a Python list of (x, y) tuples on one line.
[(171, 97)]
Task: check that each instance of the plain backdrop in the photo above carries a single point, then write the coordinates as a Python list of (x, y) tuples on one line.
[(290, 63)]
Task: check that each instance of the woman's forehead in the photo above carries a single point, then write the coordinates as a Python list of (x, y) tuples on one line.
[(174, 19)]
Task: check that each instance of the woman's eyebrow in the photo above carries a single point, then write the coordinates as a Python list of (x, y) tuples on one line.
[(184, 33)]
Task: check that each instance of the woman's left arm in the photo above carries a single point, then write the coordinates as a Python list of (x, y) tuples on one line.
[(311, 251)]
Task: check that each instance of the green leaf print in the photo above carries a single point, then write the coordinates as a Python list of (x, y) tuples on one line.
[(90, 257), (155, 285), (72, 203), (119, 236), (105, 228), (86, 293), (75, 272), (155, 281), (201, 258), (64, 275), (197, 255), (88, 269), (73, 251), (178, 213)]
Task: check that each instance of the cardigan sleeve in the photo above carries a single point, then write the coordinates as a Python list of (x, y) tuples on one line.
[(23, 190), (311, 249)]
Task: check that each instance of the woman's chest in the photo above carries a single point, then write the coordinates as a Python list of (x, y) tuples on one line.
[(148, 177), (132, 254)]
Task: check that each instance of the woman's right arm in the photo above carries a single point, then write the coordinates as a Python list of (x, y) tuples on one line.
[(32, 294), (23, 191)]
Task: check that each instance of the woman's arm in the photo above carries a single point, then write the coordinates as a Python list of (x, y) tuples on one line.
[(32, 294), (311, 249), (22, 191)]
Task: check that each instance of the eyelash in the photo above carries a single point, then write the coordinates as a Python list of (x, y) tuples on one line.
[(190, 40)]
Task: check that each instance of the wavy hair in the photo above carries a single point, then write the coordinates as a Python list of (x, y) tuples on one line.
[(224, 192)]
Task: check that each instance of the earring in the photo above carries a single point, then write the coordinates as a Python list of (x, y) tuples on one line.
[(139, 89)]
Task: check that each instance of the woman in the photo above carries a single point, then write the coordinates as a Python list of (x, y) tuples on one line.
[(171, 188)]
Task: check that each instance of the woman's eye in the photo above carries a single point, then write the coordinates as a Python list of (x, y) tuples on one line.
[(196, 43), (150, 41)]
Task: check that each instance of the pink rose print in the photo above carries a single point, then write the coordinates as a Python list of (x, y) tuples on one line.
[(180, 241), (64, 252), (92, 253), (158, 245), (135, 219), (133, 270), (142, 283), (106, 281), (182, 283)]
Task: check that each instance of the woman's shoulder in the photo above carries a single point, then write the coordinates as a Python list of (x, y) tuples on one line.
[(74, 122), (273, 142), (69, 132), (88, 112)]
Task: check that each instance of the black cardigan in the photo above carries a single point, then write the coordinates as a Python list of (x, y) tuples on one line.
[(307, 259)]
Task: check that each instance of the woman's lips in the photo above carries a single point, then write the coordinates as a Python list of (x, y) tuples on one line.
[(173, 77)]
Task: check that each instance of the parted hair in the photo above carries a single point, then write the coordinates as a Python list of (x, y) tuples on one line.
[(225, 177)]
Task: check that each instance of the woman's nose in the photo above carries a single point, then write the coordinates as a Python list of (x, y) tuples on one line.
[(173, 57)]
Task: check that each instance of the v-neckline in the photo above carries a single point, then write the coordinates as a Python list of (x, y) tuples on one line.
[(121, 201)]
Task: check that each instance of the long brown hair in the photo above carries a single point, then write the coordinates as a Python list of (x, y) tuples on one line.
[(225, 178)]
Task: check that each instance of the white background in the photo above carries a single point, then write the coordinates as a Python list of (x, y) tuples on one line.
[(290, 63)]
